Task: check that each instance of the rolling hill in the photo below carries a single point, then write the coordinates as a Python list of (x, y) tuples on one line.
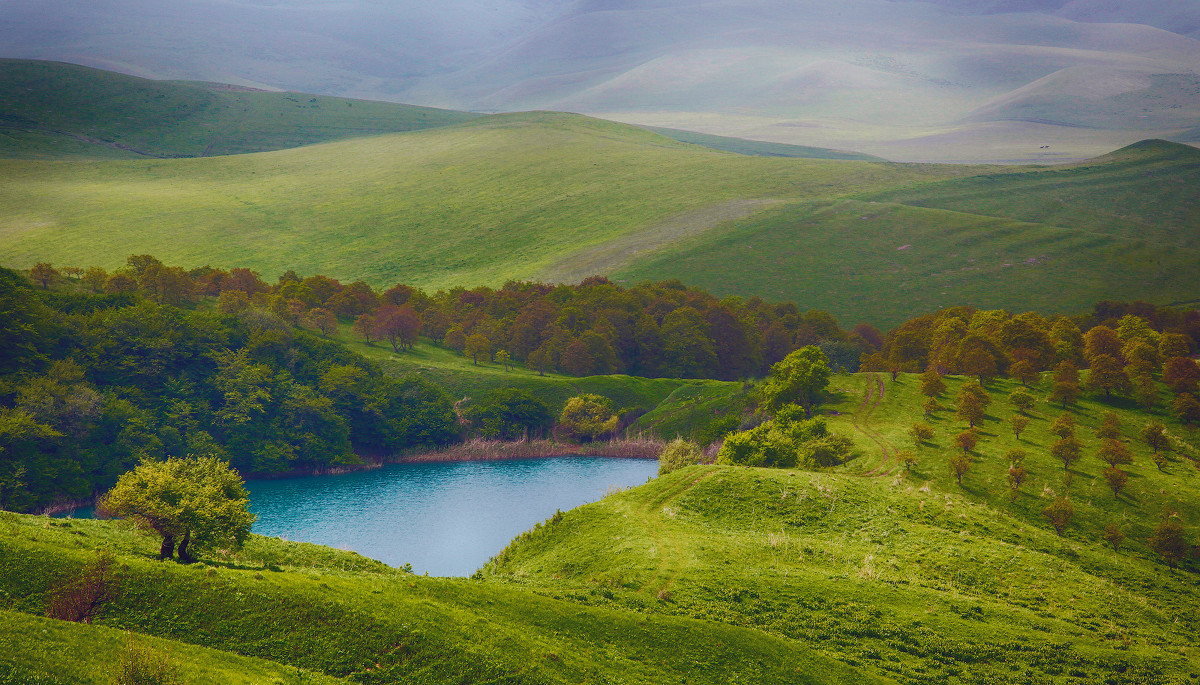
[(55, 111), (559, 197), (916, 81)]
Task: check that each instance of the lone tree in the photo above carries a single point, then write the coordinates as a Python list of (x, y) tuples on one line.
[(1068, 451), (799, 378), (972, 403), (932, 384), (1019, 424), (959, 465), (199, 501), (1017, 475)]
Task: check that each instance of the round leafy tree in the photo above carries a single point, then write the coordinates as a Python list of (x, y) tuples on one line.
[(799, 378), (199, 501)]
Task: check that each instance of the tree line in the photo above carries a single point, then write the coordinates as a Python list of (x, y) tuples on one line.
[(653, 330)]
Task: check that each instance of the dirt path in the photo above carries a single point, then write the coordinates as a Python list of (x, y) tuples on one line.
[(670, 549), (863, 418), (611, 255)]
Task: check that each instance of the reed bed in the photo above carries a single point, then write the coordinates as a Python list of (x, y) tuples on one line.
[(478, 449)]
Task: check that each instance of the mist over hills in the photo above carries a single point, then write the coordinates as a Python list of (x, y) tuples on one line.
[(970, 80)]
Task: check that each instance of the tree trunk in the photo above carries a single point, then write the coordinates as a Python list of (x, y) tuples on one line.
[(167, 550), (185, 552)]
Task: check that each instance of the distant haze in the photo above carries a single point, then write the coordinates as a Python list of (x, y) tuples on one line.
[(970, 80)]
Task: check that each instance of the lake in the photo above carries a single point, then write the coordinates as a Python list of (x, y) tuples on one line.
[(447, 518)]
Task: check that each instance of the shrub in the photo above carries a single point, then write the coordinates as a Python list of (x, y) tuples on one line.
[(1168, 540), (145, 666), (81, 598), (677, 454), (786, 442)]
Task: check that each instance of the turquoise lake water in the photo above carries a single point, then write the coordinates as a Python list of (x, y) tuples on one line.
[(447, 518)]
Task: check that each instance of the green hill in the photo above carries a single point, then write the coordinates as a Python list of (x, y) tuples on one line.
[(303, 606), (51, 110), (559, 197), (503, 197), (1142, 192)]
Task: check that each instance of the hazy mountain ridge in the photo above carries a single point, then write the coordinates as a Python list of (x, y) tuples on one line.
[(949, 81)]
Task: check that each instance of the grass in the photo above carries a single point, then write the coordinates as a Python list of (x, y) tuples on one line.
[(51, 110), (41, 651), (1149, 496), (494, 199), (556, 196), (886, 262), (663, 406), (334, 612), (917, 584), (759, 148)]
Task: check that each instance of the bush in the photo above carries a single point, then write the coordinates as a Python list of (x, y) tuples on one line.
[(81, 598), (586, 418), (145, 666), (786, 441), (677, 454)]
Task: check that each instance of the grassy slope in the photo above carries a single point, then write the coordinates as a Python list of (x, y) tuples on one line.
[(335, 612), (42, 651), (481, 202), (884, 262), (673, 405), (920, 585), (51, 110), (1124, 226), (1144, 192)]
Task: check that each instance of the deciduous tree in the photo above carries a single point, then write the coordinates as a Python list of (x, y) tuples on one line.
[(799, 378), (1059, 513), (198, 501), (1168, 540)]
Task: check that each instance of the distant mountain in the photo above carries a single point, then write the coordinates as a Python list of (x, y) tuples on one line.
[(951, 80)]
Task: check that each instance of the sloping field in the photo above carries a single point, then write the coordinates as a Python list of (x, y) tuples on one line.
[(1055, 239), (478, 203)]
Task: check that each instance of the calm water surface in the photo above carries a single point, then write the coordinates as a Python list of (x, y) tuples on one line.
[(446, 519)]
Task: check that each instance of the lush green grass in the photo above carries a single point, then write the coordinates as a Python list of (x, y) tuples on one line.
[(884, 262), (672, 405), (919, 584), (1145, 192), (478, 203), (336, 613), (1150, 493), (51, 110), (38, 651)]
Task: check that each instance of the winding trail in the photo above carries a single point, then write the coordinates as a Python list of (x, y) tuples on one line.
[(863, 419), (668, 544)]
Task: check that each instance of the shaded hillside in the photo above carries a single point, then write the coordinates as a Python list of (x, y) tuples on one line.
[(52, 110), (1143, 192)]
